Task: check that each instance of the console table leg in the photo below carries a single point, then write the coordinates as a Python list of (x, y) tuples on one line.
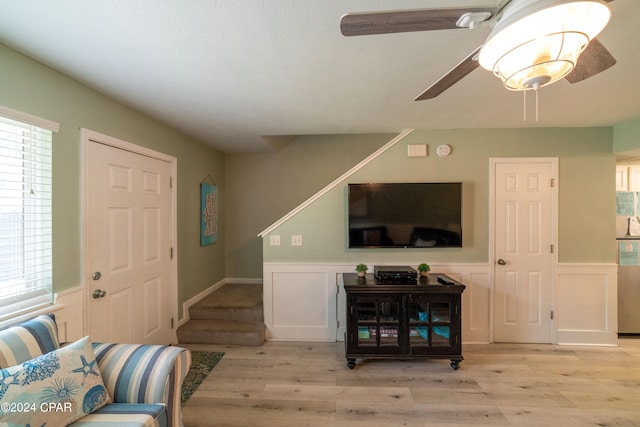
[(351, 363), (455, 364)]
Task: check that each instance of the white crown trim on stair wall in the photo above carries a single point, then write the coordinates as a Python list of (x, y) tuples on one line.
[(336, 182)]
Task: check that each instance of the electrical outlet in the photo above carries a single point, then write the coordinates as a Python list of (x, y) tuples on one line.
[(274, 240), (296, 240)]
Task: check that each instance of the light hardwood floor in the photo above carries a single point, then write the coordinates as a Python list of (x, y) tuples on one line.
[(309, 384)]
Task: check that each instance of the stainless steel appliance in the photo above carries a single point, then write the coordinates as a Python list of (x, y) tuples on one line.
[(628, 285)]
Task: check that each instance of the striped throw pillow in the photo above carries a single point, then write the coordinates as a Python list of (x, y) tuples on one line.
[(27, 340)]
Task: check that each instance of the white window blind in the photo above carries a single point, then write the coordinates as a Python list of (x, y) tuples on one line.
[(25, 216)]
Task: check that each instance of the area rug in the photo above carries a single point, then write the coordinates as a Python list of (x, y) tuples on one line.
[(202, 363)]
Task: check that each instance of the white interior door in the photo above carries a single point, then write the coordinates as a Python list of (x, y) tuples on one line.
[(128, 215), (524, 241)]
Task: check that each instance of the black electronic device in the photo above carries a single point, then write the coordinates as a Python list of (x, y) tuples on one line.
[(405, 215), (445, 281), (395, 272)]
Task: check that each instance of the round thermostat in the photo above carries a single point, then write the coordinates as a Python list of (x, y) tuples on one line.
[(443, 150)]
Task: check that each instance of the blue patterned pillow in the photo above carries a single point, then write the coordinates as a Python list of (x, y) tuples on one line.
[(55, 389)]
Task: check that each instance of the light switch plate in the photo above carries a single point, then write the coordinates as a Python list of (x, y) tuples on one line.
[(417, 150)]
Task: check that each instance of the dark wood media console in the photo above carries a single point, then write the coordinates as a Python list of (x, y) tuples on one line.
[(403, 319)]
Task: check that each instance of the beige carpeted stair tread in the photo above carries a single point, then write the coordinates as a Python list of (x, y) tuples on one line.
[(241, 302), (222, 332), (233, 295), (232, 314)]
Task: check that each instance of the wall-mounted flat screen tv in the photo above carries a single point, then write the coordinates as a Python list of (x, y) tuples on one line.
[(405, 215)]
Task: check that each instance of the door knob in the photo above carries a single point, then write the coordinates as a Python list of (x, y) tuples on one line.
[(502, 262), (96, 276), (98, 293)]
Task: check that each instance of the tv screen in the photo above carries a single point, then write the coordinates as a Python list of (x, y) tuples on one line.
[(405, 215)]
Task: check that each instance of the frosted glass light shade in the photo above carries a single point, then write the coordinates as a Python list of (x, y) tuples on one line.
[(538, 42)]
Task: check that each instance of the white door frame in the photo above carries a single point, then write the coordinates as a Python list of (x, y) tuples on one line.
[(554, 230), (86, 136)]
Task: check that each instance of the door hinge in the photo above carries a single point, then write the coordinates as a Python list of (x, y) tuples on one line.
[(338, 323), (551, 248), (170, 182), (553, 182), (551, 314), (172, 323), (171, 253)]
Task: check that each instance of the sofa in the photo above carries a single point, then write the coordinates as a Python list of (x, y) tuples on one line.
[(44, 383)]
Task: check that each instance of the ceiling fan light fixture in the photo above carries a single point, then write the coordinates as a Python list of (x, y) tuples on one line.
[(538, 42)]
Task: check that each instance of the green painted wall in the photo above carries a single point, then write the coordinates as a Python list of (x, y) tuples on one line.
[(626, 136), (586, 195), (33, 88), (257, 189), (264, 187)]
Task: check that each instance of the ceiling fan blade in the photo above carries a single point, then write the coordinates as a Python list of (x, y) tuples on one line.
[(593, 60), (458, 72), (402, 21)]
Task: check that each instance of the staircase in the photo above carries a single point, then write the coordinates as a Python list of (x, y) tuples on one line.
[(232, 314)]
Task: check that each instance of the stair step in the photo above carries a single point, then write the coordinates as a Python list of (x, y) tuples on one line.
[(236, 301), (231, 315), (229, 332)]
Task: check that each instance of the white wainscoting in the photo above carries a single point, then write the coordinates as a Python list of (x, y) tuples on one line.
[(70, 319), (476, 299), (300, 300), (587, 296), (306, 302)]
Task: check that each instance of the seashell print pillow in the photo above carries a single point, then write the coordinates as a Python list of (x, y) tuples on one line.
[(54, 389)]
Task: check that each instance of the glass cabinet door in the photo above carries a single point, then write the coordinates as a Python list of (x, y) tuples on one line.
[(378, 322), (430, 323)]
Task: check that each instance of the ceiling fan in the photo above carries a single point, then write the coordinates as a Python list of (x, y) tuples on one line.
[(523, 61)]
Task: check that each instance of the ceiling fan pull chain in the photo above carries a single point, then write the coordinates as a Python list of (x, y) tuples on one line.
[(537, 105)]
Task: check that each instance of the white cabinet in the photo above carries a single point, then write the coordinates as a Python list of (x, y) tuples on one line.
[(628, 178), (622, 173), (633, 178)]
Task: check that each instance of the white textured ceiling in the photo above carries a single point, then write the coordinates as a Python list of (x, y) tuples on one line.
[(229, 72)]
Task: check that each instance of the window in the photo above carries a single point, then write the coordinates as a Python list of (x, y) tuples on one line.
[(25, 213)]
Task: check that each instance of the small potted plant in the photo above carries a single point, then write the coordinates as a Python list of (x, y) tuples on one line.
[(361, 269), (424, 269)]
